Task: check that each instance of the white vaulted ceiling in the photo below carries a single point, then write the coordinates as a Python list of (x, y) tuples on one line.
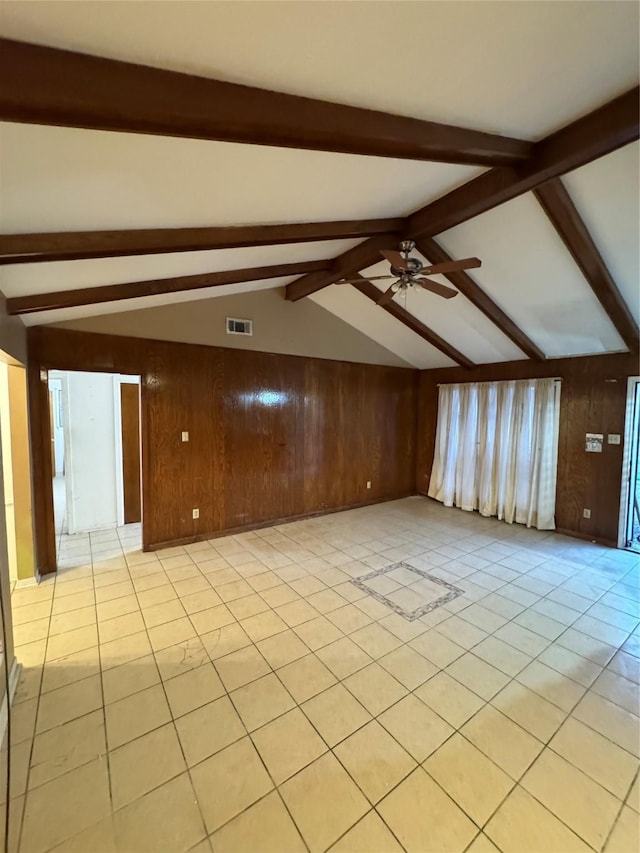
[(521, 69)]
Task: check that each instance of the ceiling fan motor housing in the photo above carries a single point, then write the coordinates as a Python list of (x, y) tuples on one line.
[(412, 267)]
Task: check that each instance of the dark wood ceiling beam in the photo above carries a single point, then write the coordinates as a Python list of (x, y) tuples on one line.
[(434, 253), (72, 245), (44, 85), (602, 131), (371, 292), (559, 207), (135, 289)]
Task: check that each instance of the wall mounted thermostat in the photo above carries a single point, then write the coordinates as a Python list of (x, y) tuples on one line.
[(613, 438)]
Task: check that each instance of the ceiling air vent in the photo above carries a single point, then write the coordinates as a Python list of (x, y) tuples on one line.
[(239, 327)]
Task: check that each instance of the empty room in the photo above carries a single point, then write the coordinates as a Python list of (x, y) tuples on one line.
[(320, 426)]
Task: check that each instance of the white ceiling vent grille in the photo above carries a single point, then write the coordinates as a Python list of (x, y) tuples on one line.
[(239, 327)]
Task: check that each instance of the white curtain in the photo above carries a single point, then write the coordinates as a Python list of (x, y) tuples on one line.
[(497, 449)]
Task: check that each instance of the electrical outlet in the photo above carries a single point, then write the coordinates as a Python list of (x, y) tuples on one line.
[(368, 484), (586, 513), (185, 436), (196, 513)]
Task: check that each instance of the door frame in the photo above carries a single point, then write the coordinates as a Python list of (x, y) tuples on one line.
[(629, 455)]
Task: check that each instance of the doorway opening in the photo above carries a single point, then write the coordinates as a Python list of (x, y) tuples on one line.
[(96, 465), (630, 503)]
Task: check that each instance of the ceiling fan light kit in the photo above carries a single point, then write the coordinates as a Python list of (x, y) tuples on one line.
[(407, 271)]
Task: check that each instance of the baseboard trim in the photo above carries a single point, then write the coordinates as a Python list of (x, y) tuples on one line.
[(14, 677), (587, 537), (231, 531)]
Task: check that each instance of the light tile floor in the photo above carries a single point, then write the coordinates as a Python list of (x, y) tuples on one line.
[(243, 695)]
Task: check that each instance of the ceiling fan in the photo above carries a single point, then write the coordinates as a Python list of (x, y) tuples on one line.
[(408, 273)]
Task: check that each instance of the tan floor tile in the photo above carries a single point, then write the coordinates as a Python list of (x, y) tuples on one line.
[(619, 690), (20, 761), (211, 619), (436, 648), (62, 671), (119, 607), (578, 801), (369, 834), (113, 591), (233, 590), (454, 702), (402, 628), (343, 657), (539, 717), (482, 844), (74, 619), (229, 782), (159, 614), (261, 701), (423, 818), (98, 838), (324, 788), (596, 756), (224, 641), (305, 677), (570, 664), (29, 632), (375, 761), (165, 819), (121, 626), (478, 676), (502, 656), (288, 744), (633, 798), (474, 782), (136, 715), (326, 600), (349, 618), (521, 638), (335, 714), (248, 605), (63, 807), (522, 824), (66, 703), (408, 667), (209, 729), (241, 667), (157, 595), (30, 613), (419, 729), (505, 743), (626, 665), (375, 640), (283, 648), (281, 594), (193, 689), (263, 625), (296, 612), (374, 688), (317, 633), (67, 746), (144, 764), (612, 721), (124, 650), (170, 634), (73, 602), (264, 826), (128, 678), (461, 632), (180, 658), (626, 833), (204, 599), (72, 641), (29, 683)]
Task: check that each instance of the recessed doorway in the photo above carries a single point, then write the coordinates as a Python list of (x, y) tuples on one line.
[(630, 503)]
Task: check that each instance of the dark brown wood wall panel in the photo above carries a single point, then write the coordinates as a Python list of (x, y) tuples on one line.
[(271, 437), (592, 399)]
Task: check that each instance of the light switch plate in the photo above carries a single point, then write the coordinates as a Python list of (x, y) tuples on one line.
[(613, 438), (185, 436)]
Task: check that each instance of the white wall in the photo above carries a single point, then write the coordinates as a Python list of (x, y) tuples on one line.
[(93, 449), (55, 387)]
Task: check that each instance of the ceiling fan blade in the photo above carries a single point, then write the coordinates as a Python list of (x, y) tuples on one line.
[(387, 296), (395, 259), (453, 266), (436, 287), (364, 278)]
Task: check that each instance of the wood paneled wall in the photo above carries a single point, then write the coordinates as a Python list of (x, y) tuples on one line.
[(271, 437), (593, 399)]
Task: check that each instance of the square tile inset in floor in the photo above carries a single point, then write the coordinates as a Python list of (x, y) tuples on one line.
[(408, 591)]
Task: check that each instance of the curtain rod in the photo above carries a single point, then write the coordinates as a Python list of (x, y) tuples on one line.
[(490, 381)]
